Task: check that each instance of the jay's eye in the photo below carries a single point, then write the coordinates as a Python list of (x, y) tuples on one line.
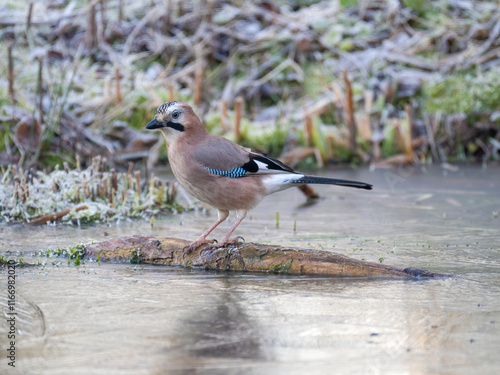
[(176, 115)]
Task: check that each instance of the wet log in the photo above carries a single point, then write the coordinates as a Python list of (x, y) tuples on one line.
[(243, 257)]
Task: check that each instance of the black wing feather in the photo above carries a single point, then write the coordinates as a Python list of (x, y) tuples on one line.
[(271, 164)]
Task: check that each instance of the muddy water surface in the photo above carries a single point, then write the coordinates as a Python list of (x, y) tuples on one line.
[(126, 319)]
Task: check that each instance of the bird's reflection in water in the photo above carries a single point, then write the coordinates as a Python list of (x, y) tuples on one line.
[(222, 329)]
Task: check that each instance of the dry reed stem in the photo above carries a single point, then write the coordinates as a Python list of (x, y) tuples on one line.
[(120, 10), (85, 188), (180, 9), (308, 128), (171, 95), (102, 4), (10, 72), (165, 27), (114, 179), (237, 120), (349, 112), (16, 193), (198, 75), (109, 186), (28, 17), (223, 117), (118, 97), (26, 193), (97, 166), (429, 121), (138, 182), (408, 138), (91, 35), (40, 89)]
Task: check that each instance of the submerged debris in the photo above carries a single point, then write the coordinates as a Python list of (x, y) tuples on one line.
[(82, 196)]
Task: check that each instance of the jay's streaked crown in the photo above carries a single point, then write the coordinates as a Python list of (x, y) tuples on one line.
[(168, 115)]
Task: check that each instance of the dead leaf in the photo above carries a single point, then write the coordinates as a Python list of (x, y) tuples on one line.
[(28, 133)]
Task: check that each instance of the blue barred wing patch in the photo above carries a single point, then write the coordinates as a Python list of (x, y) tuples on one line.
[(233, 173)]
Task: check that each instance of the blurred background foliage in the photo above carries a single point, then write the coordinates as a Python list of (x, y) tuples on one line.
[(314, 82)]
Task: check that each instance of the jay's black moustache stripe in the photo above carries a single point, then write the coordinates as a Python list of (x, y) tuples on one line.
[(175, 125), (157, 125)]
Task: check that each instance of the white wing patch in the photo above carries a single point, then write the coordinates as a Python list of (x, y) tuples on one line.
[(264, 169), (262, 166)]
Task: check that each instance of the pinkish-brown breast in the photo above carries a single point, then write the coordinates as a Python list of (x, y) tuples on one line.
[(221, 192)]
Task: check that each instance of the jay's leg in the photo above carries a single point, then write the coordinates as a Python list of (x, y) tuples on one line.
[(223, 214), (240, 215), (227, 238)]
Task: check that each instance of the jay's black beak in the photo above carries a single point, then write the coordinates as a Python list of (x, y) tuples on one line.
[(154, 125)]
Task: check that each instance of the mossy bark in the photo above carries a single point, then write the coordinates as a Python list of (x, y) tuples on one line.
[(243, 257)]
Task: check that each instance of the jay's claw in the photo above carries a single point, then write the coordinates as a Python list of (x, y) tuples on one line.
[(235, 240), (224, 243), (196, 244)]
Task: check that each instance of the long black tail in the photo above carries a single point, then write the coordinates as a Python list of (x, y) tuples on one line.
[(332, 181)]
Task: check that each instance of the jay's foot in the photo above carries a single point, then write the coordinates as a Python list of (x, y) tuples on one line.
[(196, 244), (224, 243)]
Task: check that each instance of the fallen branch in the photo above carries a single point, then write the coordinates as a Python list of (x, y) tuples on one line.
[(56, 216), (243, 257)]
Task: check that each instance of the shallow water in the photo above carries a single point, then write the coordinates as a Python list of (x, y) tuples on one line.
[(122, 319)]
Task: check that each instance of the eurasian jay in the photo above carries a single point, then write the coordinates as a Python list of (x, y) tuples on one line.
[(221, 173)]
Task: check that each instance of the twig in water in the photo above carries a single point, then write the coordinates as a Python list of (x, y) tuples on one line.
[(56, 216)]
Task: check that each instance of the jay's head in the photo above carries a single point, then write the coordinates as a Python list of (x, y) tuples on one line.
[(175, 119)]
